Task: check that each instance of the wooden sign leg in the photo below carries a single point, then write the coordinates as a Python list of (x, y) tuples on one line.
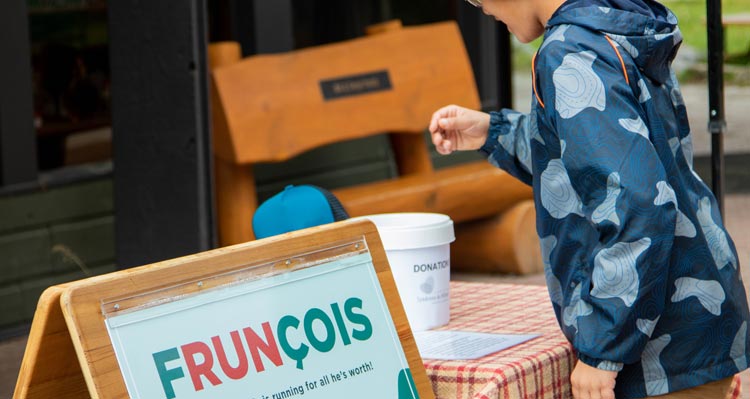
[(50, 367)]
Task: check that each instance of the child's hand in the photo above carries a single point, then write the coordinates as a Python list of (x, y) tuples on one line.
[(591, 383), (457, 128)]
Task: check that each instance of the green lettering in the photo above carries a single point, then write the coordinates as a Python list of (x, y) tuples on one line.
[(358, 318), (340, 323), (168, 375), (330, 339), (297, 354)]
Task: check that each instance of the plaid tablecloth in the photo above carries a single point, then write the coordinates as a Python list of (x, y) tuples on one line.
[(538, 369)]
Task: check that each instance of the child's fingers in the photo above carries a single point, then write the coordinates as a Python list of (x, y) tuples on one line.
[(450, 123), (433, 127), (445, 148), (441, 113), (437, 138), (442, 145)]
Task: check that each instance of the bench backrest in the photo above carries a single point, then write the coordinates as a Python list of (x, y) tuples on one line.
[(273, 107), (269, 108)]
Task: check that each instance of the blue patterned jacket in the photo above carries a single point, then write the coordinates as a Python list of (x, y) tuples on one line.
[(643, 276)]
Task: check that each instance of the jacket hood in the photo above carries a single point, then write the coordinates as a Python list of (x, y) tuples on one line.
[(647, 30)]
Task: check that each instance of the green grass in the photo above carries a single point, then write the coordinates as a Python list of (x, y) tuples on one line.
[(692, 19)]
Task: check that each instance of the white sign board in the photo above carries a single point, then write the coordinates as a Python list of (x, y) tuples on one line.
[(319, 332)]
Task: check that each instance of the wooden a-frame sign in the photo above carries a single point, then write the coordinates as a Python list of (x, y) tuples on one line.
[(71, 353)]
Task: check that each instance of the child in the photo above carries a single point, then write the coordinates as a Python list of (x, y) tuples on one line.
[(643, 277)]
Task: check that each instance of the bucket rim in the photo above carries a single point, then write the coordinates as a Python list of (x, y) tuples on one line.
[(437, 230)]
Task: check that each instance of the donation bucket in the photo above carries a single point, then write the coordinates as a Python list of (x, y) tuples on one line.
[(417, 246)]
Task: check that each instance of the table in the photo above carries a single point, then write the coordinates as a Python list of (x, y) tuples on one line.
[(538, 369)]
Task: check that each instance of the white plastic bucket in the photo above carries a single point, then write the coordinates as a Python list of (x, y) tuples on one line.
[(417, 246)]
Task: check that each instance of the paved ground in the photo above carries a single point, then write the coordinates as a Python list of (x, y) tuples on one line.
[(737, 141)]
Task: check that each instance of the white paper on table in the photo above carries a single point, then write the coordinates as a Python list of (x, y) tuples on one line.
[(464, 345)]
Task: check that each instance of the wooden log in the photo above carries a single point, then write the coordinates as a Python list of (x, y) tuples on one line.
[(412, 155), (463, 192), (236, 201), (236, 196), (224, 53), (384, 27), (506, 243)]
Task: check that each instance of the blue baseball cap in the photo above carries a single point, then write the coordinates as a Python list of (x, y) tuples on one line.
[(295, 208)]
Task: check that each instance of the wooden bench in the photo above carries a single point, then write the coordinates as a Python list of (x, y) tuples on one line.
[(741, 19), (270, 108)]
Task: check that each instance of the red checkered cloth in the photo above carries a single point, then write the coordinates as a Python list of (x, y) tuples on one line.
[(536, 369)]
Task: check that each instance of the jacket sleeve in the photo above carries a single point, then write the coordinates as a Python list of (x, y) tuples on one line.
[(507, 145), (609, 197)]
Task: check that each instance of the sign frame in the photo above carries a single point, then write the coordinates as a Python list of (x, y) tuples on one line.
[(84, 302)]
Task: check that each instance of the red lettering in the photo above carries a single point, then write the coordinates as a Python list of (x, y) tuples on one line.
[(234, 373), (269, 347), (203, 369)]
